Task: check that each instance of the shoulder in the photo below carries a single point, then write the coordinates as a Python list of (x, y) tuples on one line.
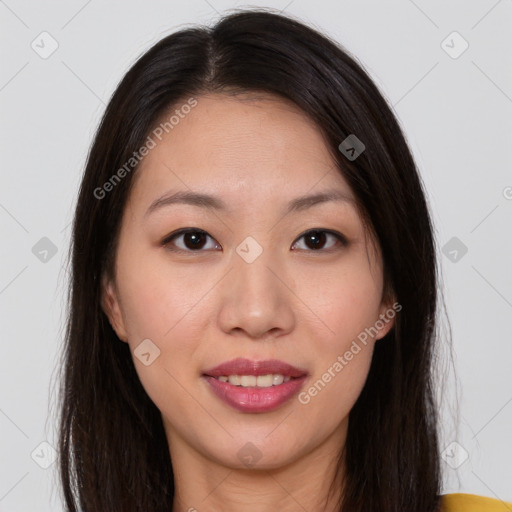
[(471, 503)]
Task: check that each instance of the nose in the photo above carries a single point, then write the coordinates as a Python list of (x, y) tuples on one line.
[(256, 298)]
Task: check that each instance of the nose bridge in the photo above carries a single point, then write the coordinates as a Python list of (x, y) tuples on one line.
[(255, 267), (255, 299)]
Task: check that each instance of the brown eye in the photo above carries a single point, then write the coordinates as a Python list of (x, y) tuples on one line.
[(192, 240), (316, 239)]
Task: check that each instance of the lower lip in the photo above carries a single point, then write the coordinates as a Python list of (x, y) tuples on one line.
[(255, 399)]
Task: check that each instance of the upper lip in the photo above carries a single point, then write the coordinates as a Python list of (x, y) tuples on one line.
[(241, 366)]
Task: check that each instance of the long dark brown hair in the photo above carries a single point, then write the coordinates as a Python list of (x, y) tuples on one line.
[(113, 452)]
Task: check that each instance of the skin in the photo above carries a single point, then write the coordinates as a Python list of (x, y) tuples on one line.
[(295, 303)]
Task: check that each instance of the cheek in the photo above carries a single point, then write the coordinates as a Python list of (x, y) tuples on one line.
[(166, 309), (344, 372), (347, 301), (163, 303), (158, 298), (327, 400), (348, 304)]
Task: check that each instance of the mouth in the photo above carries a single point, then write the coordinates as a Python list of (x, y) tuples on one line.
[(255, 386), (253, 381)]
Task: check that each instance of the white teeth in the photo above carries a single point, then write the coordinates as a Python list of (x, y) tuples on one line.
[(248, 380), (234, 379), (277, 379), (261, 381), (265, 381)]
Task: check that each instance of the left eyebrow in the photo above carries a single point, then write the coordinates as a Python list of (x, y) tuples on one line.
[(215, 203)]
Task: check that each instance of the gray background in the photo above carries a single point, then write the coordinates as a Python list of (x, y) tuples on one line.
[(456, 111)]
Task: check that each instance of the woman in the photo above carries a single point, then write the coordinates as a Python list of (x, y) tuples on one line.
[(253, 296)]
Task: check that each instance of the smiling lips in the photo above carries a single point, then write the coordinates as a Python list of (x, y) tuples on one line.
[(255, 386)]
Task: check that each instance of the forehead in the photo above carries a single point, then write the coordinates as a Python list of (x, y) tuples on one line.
[(248, 148)]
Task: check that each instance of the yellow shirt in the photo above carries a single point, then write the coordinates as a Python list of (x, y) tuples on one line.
[(471, 503)]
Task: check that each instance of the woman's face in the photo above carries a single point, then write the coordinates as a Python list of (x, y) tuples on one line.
[(262, 276)]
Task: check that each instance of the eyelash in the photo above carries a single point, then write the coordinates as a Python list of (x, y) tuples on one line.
[(167, 240)]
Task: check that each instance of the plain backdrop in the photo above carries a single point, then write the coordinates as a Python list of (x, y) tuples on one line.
[(445, 67)]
